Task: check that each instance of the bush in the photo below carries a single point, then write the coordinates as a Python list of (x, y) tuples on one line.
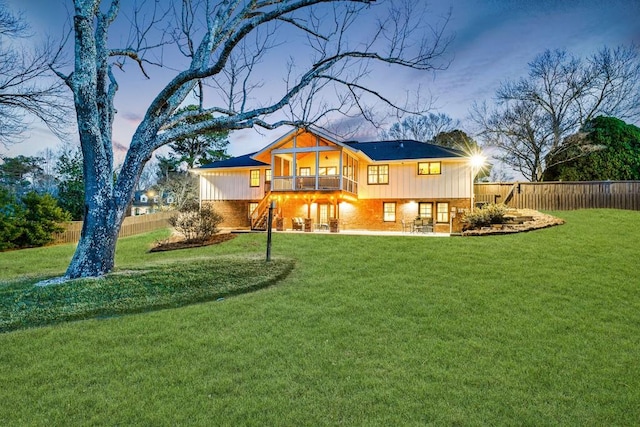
[(485, 216), (42, 218), (30, 221), (196, 224), (9, 211)]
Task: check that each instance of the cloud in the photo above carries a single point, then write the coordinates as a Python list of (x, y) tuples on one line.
[(131, 117)]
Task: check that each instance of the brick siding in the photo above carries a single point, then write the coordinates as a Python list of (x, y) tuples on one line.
[(364, 214)]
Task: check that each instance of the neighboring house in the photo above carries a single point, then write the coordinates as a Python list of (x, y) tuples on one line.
[(364, 185), (147, 202)]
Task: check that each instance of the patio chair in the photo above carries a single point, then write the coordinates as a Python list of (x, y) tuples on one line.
[(427, 225), (297, 223)]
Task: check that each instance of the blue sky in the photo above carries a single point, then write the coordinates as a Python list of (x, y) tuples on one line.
[(493, 41)]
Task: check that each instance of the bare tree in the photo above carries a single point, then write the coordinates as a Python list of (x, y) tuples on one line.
[(422, 128), (224, 43), (28, 88), (520, 133), (536, 114)]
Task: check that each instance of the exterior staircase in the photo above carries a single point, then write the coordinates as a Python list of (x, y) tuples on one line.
[(260, 215)]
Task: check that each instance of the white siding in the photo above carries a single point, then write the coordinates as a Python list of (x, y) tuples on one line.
[(405, 183), (230, 185)]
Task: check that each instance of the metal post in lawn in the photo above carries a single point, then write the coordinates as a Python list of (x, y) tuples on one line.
[(272, 206)]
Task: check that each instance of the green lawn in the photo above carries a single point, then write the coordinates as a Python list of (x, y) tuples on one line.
[(539, 328)]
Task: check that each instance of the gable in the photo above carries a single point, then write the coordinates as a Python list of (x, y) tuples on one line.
[(298, 139)]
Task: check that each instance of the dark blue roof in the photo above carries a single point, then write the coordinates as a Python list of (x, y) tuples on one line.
[(378, 151), (235, 162), (405, 149)]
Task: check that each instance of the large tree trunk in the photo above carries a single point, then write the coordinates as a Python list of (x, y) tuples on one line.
[(93, 90), (96, 249)]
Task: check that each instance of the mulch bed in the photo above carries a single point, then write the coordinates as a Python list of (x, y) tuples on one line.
[(173, 244)]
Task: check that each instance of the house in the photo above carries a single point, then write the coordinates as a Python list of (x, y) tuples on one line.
[(148, 201), (363, 185)]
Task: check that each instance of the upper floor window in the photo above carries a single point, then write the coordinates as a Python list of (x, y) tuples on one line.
[(331, 170), (267, 175), (143, 198), (429, 168), (378, 174), (254, 179), (305, 171)]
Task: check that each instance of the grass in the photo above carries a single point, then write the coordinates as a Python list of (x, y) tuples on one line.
[(137, 290), (540, 328)]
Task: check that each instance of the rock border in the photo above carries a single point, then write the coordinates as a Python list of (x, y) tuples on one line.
[(538, 221)]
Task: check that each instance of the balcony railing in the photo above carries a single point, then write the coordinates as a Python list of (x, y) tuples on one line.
[(313, 183)]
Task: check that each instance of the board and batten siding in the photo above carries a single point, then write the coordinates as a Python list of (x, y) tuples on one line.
[(405, 183), (230, 184)]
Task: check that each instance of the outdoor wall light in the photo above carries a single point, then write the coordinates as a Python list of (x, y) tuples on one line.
[(477, 161)]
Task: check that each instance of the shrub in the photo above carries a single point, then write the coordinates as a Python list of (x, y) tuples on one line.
[(30, 221), (196, 224), (485, 216), (42, 218), (9, 211)]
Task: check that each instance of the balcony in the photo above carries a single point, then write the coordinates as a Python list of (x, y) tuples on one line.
[(314, 183)]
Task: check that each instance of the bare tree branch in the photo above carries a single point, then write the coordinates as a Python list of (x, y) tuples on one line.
[(28, 87)]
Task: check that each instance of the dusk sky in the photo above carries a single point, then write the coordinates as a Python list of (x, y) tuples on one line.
[(493, 41)]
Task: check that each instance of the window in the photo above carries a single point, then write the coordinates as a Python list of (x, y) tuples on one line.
[(389, 211), (254, 180), (443, 212), (378, 174), (252, 207), (425, 210), (429, 168), (267, 175), (305, 171), (143, 199), (331, 170)]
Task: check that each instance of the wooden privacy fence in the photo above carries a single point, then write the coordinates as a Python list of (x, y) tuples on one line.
[(562, 196), (130, 226)]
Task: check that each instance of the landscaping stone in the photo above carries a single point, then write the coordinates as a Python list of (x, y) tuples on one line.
[(517, 222)]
